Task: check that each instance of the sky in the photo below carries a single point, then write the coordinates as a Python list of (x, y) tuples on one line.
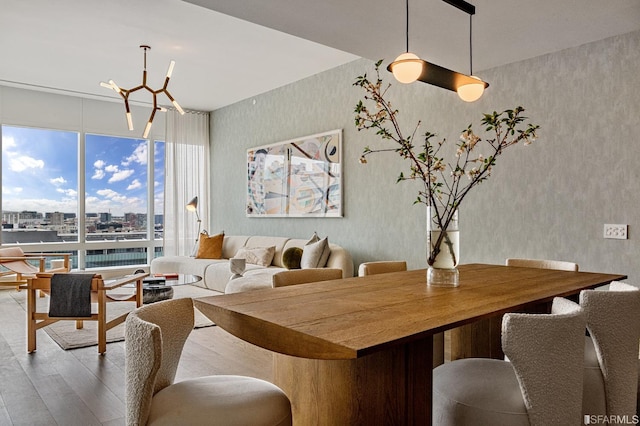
[(40, 172)]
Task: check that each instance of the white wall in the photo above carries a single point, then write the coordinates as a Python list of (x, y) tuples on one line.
[(547, 200), (30, 108)]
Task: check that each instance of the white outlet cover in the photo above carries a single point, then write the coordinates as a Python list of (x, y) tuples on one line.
[(615, 231)]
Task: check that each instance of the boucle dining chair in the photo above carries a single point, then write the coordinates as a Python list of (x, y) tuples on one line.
[(155, 335), (381, 267), (303, 276), (541, 386), (387, 266), (558, 265), (613, 321), (491, 327)]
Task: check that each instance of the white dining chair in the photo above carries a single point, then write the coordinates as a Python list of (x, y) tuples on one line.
[(611, 349), (541, 386), (155, 335)]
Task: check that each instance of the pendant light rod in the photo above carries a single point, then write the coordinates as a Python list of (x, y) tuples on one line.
[(406, 33), (470, 44)]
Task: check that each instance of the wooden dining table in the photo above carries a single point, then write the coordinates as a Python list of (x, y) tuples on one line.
[(358, 351)]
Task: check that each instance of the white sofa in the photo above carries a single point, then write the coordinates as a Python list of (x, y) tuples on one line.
[(216, 273)]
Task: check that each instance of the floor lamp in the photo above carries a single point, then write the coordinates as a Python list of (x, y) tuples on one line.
[(193, 207)]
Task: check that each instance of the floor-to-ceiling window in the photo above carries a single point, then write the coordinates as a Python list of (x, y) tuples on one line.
[(99, 197)]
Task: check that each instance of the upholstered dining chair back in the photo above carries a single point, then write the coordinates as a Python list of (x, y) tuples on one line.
[(381, 267), (155, 335), (613, 321), (302, 276), (547, 353), (541, 386), (558, 265)]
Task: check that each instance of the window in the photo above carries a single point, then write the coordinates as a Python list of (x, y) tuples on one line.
[(107, 212)]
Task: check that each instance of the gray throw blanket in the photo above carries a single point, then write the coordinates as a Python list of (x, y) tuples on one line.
[(70, 295)]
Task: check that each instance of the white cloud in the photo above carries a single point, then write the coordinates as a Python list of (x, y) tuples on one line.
[(112, 195), (68, 192), (107, 193), (16, 190), (99, 164), (139, 155), (121, 175), (111, 168), (135, 184), (58, 181), (98, 174), (8, 142), (25, 162)]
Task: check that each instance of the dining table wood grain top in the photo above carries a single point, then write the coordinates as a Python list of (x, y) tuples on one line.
[(353, 317)]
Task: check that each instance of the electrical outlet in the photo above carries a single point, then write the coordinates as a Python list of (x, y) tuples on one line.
[(617, 232)]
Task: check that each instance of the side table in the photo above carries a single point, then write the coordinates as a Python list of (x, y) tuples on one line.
[(155, 292)]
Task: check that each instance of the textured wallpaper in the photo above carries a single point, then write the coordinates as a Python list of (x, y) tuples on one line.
[(547, 200)]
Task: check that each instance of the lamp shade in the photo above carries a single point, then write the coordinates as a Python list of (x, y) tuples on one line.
[(406, 68), (193, 204), (471, 92)]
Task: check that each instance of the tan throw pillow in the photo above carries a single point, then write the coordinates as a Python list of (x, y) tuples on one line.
[(257, 255), (210, 247), (315, 254)]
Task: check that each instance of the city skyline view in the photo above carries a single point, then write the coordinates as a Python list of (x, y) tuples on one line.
[(40, 172)]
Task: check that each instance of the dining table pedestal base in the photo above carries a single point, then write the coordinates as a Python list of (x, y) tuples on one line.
[(391, 387)]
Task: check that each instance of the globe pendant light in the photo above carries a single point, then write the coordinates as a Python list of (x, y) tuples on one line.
[(408, 66), (471, 92)]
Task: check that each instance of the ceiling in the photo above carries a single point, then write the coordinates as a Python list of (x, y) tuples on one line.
[(222, 56)]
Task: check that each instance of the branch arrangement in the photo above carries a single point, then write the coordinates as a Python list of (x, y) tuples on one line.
[(445, 183)]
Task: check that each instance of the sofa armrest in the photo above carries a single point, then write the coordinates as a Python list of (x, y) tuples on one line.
[(340, 259)]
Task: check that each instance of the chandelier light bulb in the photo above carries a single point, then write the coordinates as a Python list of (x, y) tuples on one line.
[(406, 68), (129, 121), (147, 129), (170, 70), (471, 92)]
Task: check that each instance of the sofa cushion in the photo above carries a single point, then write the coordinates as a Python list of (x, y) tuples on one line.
[(315, 254), (278, 242), (291, 258), (218, 275), (257, 255), (210, 247), (232, 244)]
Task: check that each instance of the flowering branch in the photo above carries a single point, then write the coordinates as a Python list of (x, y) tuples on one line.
[(443, 185)]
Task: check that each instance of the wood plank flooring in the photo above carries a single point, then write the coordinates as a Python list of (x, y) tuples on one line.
[(80, 387)]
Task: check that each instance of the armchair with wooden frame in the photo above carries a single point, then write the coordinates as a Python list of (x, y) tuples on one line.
[(18, 267), (100, 295)]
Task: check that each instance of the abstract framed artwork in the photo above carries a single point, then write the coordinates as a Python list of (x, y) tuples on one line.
[(300, 177)]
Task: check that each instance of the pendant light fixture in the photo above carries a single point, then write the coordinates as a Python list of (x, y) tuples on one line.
[(471, 92), (408, 67), (124, 93)]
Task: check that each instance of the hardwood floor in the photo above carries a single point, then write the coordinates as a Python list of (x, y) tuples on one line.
[(80, 387)]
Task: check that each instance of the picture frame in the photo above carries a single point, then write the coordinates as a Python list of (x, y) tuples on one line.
[(300, 177)]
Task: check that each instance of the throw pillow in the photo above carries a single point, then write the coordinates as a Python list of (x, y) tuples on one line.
[(257, 255), (315, 255), (210, 247), (291, 258)]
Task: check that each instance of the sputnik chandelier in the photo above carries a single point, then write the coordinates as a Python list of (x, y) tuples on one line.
[(126, 92)]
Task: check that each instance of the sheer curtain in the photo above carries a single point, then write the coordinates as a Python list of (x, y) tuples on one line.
[(186, 176)]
